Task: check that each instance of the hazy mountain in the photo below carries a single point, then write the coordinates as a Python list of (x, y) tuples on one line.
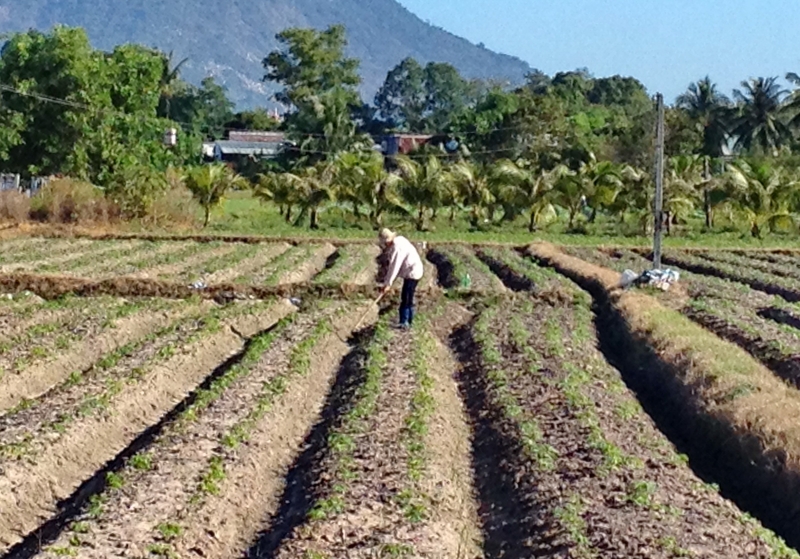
[(229, 39)]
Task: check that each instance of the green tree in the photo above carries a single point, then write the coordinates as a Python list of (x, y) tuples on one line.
[(319, 83), (531, 189), (759, 122), (362, 180), (422, 185), (447, 94), (257, 119), (401, 101), (764, 194), (475, 185), (711, 111), (210, 183), (169, 83)]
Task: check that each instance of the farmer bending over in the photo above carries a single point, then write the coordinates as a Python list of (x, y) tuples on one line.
[(404, 261)]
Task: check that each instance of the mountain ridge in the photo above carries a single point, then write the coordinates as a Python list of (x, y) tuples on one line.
[(230, 41)]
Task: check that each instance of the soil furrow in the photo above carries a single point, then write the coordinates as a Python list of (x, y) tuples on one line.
[(175, 270), (450, 528), (229, 521), (121, 259), (178, 460), (52, 258), (34, 381), (36, 424), (370, 514), (265, 255), (31, 493), (307, 269)]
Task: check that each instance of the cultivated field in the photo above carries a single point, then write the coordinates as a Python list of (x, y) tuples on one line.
[(184, 398)]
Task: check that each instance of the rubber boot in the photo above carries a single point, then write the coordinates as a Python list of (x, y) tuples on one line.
[(403, 323)]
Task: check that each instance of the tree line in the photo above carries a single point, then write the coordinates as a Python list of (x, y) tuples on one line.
[(570, 144)]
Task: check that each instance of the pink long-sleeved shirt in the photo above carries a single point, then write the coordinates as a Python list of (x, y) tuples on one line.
[(404, 262)]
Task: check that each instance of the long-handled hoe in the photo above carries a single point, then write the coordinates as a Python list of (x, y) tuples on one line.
[(363, 317)]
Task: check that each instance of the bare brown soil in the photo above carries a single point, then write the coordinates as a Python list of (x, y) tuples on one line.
[(261, 260), (163, 494), (32, 382), (733, 410), (29, 430), (30, 493), (229, 522), (172, 271), (371, 518), (615, 487), (309, 267)]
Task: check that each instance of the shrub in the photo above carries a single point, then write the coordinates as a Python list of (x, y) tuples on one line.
[(14, 206), (67, 200)]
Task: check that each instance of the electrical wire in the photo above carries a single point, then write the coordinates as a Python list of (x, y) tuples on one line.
[(73, 104)]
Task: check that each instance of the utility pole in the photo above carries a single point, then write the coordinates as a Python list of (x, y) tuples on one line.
[(659, 201)]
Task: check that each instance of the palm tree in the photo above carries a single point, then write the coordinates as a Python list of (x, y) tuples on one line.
[(362, 180), (529, 188), (209, 183), (279, 188), (314, 188), (601, 182), (759, 122), (763, 193), (636, 197), (711, 110), (170, 75), (476, 189), (422, 184)]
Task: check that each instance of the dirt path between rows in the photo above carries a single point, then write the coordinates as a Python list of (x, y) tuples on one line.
[(34, 381), (309, 267), (81, 248), (230, 521), (451, 529), (263, 258), (370, 516), (179, 458), (174, 269), (30, 493)]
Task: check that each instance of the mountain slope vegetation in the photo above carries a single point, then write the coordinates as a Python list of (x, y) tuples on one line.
[(228, 40)]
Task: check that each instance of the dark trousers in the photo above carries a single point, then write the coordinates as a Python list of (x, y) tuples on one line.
[(407, 301)]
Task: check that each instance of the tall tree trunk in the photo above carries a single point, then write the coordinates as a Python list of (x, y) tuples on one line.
[(593, 217), (289, 213), (433, 214), (532, 224), (314, 224), (421, 218), (452, 214), (208, 216)]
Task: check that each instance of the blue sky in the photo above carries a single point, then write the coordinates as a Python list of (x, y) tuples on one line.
[(666, 44)]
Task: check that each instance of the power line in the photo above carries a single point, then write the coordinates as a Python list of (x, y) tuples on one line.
[(73, 104)]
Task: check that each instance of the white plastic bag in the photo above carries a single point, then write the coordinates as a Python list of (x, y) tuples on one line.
[(628, 277)]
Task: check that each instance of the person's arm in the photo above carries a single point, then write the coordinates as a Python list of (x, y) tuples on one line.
[(394, 268)]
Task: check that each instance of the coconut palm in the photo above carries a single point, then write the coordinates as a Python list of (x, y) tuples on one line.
[(279, 188), (711, 110), (362, 180), (209, 183), (422, 185), (529, 188), (170, 79), (759, 122), (314, 188), (475, 187), (763, 193), (601, 182)]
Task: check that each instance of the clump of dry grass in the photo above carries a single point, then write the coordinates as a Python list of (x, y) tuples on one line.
[(14, 206), (66, 200)]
